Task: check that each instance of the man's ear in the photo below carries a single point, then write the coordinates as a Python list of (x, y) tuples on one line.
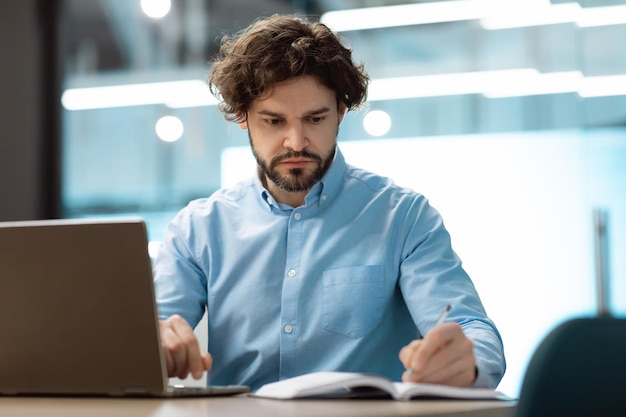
[(341, 111), (242, 120)]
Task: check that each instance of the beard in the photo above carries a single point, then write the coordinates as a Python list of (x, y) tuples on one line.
[(297, 179)]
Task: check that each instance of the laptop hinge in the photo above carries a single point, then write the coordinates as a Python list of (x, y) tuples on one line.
[(135, 390)]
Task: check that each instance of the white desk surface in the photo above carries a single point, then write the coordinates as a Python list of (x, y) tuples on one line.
[(246, 406)]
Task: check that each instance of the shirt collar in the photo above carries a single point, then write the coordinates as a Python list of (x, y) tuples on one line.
[(328, 187)]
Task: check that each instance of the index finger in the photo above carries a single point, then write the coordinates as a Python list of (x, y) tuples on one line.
[(407, 353), (182, 349), (196, 362), (439, 337)]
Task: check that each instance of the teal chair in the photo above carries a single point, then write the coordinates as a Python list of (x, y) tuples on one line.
[(578, 370)]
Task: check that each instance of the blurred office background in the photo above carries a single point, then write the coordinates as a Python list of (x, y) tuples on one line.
[(509, 115)]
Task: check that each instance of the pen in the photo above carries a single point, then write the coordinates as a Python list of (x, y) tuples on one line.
[(442, 317)]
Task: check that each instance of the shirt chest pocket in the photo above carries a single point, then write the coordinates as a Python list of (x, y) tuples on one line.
[(352, 299)]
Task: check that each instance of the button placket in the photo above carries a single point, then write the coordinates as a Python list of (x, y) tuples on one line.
[(290, 295)]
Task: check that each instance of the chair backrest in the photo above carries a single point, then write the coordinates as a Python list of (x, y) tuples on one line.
[(579, 369)]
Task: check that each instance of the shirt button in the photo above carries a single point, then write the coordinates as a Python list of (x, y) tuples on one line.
[(297, 216), (292, 273), (324, 197), (288, 329)]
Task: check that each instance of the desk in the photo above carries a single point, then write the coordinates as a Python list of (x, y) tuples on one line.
[(246, 406)]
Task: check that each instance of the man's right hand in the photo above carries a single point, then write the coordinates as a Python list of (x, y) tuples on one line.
[(182, 350)]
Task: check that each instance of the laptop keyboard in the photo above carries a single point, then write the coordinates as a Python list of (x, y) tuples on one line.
[(208, 391)]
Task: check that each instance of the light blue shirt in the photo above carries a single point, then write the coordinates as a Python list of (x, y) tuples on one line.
[(341, 283)]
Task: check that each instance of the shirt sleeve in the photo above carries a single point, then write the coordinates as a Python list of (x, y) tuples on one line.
[(432, 276), (489, 354), (179, 282)]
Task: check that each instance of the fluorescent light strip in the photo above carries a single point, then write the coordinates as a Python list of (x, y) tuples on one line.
[(492, 84), (407, 14), (497, 84), (446, 84), (174, 94), (522, 15), (540, 15), (537, 84), (603, 86), (602, 16), (493, 14)]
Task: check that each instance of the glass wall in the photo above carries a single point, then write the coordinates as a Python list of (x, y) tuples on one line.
[(509, 115)]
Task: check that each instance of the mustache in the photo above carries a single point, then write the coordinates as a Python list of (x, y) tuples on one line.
[(293, 154)]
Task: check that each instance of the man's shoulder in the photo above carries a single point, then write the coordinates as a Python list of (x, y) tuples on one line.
[(223, 196), (234, 192), (230, 193), (377, 183)]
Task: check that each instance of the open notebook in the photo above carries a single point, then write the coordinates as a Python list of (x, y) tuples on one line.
[(78, 312), (343, 385)]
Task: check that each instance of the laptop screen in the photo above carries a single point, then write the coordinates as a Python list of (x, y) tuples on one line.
[(77, 309)]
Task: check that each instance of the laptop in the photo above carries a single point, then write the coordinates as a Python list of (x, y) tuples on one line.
[(78, 314)]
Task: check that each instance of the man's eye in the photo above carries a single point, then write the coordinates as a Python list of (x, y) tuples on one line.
[(273, 122), (316, 119)]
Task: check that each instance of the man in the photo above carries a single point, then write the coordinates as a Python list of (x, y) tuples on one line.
[(313, 264)]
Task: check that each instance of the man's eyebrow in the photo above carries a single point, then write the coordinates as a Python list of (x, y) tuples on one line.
[(269, 113), (315, 112), (319, 111)]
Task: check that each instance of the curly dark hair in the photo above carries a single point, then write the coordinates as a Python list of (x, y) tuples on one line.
[(276, 49)]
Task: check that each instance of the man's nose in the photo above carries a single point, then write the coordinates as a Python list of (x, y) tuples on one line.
[(296, 138)]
